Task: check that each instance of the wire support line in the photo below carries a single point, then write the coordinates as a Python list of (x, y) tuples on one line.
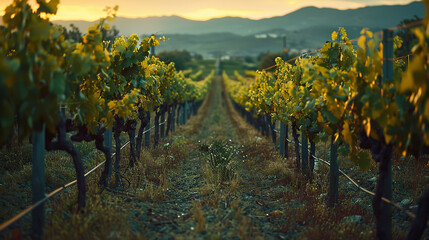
[(268, 68), (290, 60), (403, 26), (397, 58), (30, 208), (410, 214)]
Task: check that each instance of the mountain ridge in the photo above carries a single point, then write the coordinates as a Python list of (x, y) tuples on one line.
[(383, 16)]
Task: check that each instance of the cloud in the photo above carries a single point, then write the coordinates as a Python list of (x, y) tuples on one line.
[(70, 12)]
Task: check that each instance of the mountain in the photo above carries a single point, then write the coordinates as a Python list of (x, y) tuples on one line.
[(306, 28), (213, 44), (373, 17)]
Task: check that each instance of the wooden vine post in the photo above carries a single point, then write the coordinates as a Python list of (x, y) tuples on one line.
[(304, 153), (284, 127), (333, 173), (156, 125), (108, 138), (386, 209), (282, 138), (173, 117), (188, 110), (286, 141), (162, 121), (184, 114), (147, 129), (296, 140), (38, 182), (147, 132)]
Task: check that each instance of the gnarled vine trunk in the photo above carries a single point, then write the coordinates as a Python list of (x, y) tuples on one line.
[(169, 121), (312, 157), (144, 120), (99, 144), (381, 153), (296, 140), (273, 129), (420, 222), (173, 116), (333, 174), (117, 130), (382, 210), (130, 128), (62, 144), (156, 136)]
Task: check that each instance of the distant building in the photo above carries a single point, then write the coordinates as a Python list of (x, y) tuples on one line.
[(261, 36), (225, 57), (238, 57), (267, 35)]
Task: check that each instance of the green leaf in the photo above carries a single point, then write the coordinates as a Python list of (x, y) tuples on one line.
[(329, 116), (363, 159), (310, 105), (81, 96), (14, 64), (39, 30), (50, 7), (57, 85), (344, 149)]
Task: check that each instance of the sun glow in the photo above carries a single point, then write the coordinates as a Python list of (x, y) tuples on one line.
[(196, 10), (209, 13)]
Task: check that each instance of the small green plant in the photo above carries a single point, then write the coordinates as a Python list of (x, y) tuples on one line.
[(221, 155)]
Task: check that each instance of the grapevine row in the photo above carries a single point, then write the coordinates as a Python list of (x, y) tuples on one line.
[(50, 86), (363, 98)]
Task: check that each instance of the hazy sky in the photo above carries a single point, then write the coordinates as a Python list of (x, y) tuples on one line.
[(198, 9)]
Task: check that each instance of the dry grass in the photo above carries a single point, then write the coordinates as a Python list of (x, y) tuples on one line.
[(104, 217), (198, 215), (194, 124), (15, 158), (413, 174), (245, 132), (153, 192)]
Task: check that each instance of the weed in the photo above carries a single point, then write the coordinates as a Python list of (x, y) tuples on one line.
[(220, 158)]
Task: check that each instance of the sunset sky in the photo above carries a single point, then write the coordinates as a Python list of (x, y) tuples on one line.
[(198, 10)]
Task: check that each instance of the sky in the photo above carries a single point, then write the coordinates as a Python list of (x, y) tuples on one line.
[(197, 9)]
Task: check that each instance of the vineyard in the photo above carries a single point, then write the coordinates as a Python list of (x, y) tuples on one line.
[(102, 140)]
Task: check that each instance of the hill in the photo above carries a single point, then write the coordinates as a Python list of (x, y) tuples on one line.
[(308, 17)]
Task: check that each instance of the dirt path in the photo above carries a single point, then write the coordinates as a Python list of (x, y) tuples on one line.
[(257, 195), (198, 207)]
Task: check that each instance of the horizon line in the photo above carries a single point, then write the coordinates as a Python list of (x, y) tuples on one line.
[(232, 16)]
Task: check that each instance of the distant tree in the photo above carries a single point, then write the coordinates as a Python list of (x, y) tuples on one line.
[(261, 55), (268, 60), (198, 56), (407, 36), (249, 59), (110, 35), (73, 33), (180, 58)]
